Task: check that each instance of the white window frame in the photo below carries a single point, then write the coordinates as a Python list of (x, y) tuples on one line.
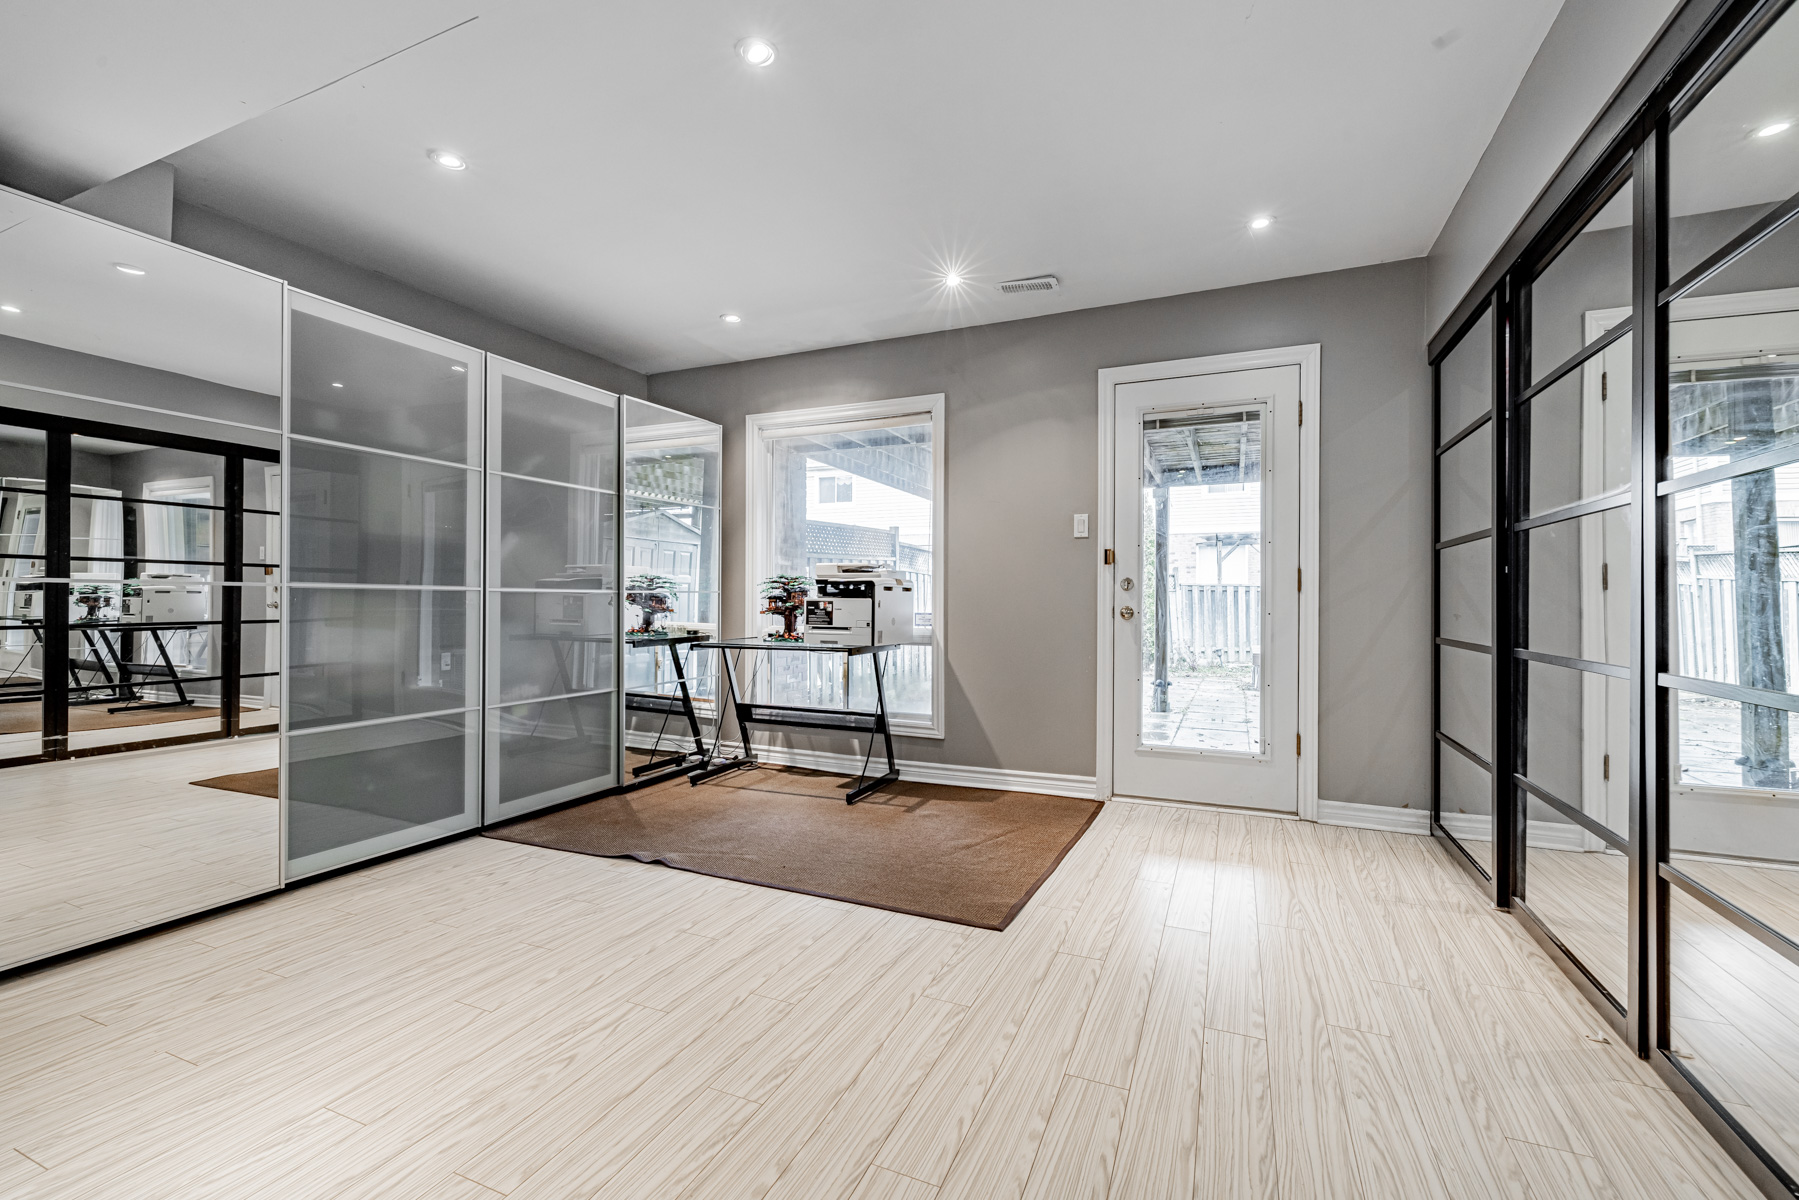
[(757, 546)]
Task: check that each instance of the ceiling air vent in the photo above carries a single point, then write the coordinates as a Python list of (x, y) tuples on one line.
[(1036, 283)]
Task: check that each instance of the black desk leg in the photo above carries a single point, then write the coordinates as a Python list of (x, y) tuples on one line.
[(693, 718), (713, 765), (674, 763), (182, 699), (886, 732)]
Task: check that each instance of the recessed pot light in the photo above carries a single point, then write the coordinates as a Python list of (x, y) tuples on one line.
[(9, 308), (447, 159), (1261, 222), (128, 269), (756, 52), (953, 279), (730, 318), (1771, 130)]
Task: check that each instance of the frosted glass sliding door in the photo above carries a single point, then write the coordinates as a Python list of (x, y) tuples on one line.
[(382, 468), (552, 578)]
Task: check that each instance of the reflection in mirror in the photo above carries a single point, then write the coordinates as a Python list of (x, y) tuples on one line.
[(1465, 592), (1578, 886), (1591, 274), (1578, 433), (189, 335), (1734, 1022), (110, 841), (1577, 574), (1465, 698), (1736, 155), (1577, 740)]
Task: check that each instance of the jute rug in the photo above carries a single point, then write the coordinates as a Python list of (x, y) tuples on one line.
[(254, 783), (956, 854)]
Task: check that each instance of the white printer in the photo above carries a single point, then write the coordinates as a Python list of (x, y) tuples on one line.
[(860, 604), (171, 598), (574, 604)]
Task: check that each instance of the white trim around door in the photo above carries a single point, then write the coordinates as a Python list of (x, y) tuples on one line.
[(1307, 359)]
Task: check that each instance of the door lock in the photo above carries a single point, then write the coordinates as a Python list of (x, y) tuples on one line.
[(1126, 583), (1127, 612)]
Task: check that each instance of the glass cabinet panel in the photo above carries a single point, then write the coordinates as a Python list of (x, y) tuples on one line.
[(384, 459), (553, 625)]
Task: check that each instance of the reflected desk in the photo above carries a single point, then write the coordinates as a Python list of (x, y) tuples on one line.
[(749, 712), (124, 677), (658, 769)]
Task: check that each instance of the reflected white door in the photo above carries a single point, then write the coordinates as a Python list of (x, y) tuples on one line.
[(1205, 590)]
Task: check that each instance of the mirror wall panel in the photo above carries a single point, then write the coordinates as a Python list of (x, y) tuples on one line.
[(553, 629), (382, 500), (671, 565), (138, 383)]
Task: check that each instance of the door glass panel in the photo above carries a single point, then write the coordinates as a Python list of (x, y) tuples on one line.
[(1579, 584), (22, 540), (1590, 274), (551, 749), (380, 390), (379, 519), (1465, 592), (1465, 379), (554, 643), (1466, 793), (554, 536), (1200, 599), (364, 654), (569, 435), (1465, 698), (1465, 486), (1737, 611), (1579, 432), (1736, 155), (366, 789)]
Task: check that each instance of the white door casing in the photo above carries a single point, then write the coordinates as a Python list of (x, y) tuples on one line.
[(1279, 385)]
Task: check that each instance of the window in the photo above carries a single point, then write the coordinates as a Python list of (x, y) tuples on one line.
[(853, 483)]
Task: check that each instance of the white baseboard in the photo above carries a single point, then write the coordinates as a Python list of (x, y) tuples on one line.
[(1373, 816), (1081, 787)]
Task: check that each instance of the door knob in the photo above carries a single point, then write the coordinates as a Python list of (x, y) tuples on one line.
[(1127, 612)]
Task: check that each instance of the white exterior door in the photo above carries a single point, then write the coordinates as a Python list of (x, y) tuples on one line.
[(1205, 590)]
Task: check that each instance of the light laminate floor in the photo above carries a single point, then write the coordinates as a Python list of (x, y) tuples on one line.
[(94, 847), (1195, 1005)]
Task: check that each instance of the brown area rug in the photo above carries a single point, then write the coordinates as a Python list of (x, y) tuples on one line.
[(966, 855), (254, 783), (29, 718)]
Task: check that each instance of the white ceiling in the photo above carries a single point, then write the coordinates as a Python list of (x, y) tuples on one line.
[(631, 178)]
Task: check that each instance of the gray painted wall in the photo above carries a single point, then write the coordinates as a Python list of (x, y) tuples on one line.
[(312, 271), (1589, 50), (1021, 401)]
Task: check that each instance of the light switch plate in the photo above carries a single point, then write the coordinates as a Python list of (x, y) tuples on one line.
[(1080, 524)]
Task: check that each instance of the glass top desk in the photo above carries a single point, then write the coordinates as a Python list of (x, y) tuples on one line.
[(750, 712)]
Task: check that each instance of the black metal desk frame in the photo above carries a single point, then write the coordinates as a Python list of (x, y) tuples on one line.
[(658, 769), (797, 717), (122, 685)]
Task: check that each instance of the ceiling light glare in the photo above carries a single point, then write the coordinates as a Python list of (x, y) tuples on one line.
[(1261, 222), (128, 269), (953, 279), (448, 160), (337, 385), (756, 52), (1771, 130), (730, 318), (460, 370), (9, 308)]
